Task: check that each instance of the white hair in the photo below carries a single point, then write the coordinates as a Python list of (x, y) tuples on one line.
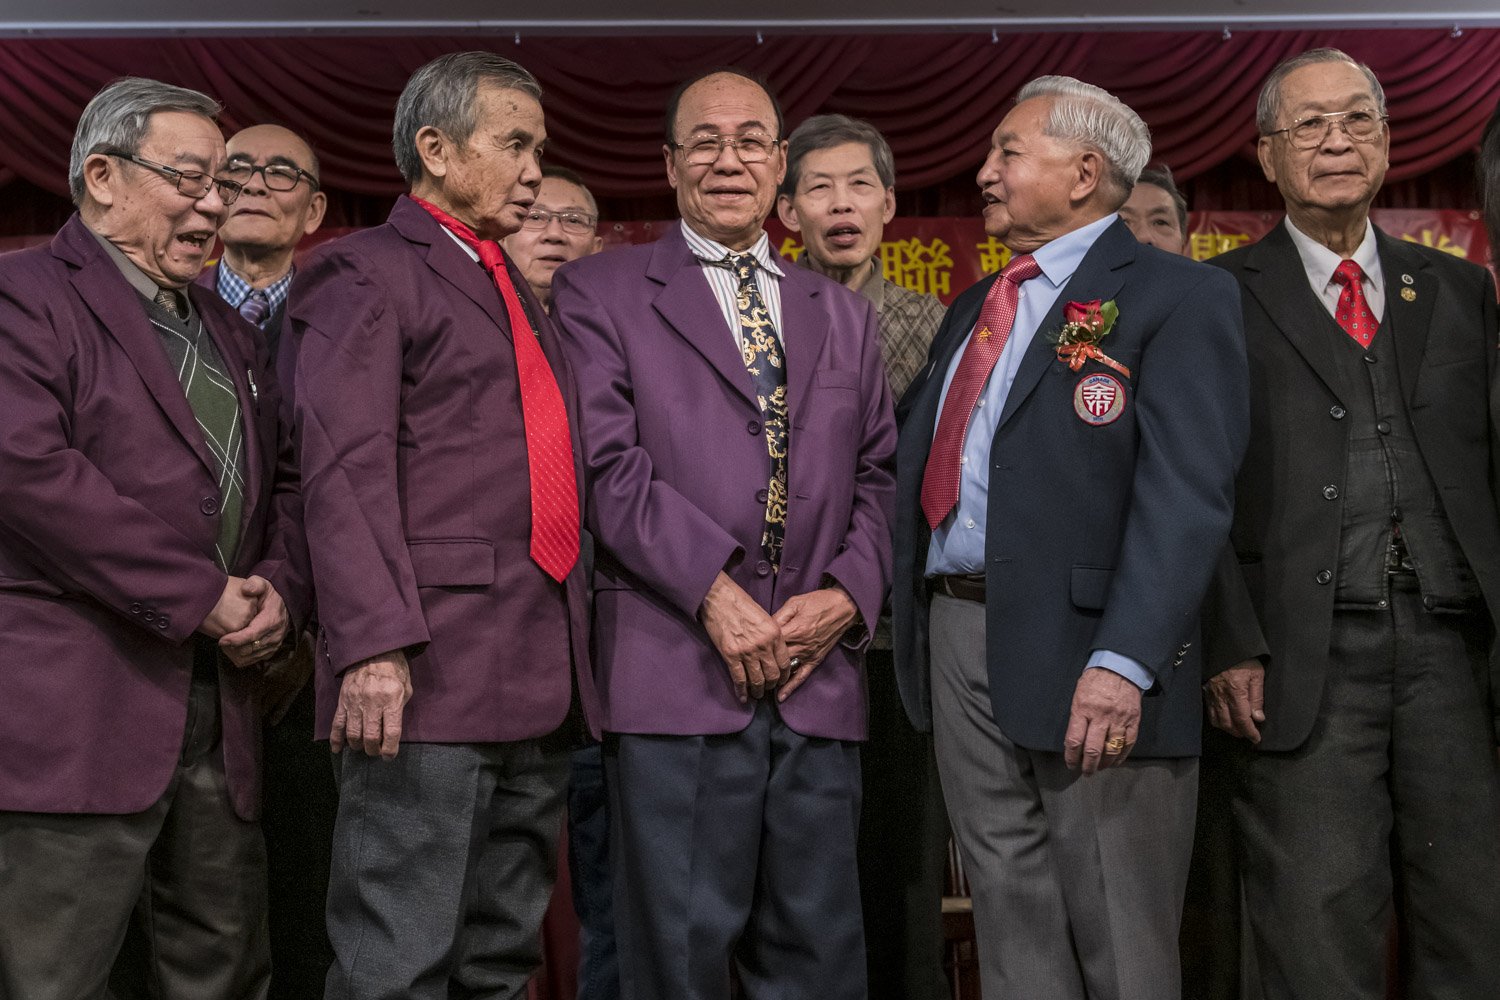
[(1092, 116)]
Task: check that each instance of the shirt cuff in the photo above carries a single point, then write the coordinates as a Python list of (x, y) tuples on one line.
[(1132, 670)]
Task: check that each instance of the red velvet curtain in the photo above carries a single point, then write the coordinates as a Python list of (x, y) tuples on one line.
[(936, 96)]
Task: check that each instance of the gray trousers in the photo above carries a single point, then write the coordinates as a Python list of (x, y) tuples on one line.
[(1077, 881), (1395, 795), (736, 849), (443, 864), (186, 878)]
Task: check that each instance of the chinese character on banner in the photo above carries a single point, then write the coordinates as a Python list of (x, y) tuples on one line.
[(1438, 241), (925, 268), (993, 255), (791, 249), (1206, 245)]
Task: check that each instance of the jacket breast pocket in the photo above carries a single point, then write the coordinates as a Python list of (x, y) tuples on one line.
[(837, 378), (452, 562)]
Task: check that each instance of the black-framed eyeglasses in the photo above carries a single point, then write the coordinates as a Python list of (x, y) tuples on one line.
[(192, 183), (704, 148), (278, 176), (1312, 131), (574, 223)]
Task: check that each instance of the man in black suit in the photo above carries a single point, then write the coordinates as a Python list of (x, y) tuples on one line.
[(1351, 634), (1066, 466)]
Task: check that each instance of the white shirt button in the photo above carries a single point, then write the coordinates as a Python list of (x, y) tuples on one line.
[(969, 523)]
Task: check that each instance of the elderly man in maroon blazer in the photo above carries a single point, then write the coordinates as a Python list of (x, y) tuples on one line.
[(150, 560), (433, 416), (739, 438)]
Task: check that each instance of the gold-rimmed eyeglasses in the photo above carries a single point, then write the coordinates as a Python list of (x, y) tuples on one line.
[(704, 148), (1312, 131)]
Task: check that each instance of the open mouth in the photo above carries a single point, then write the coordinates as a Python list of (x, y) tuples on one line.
[(990, 199), (843, 236), (197, 241)]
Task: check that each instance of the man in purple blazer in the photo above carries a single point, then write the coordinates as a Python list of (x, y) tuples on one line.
[(433, 416), (150, 561), (738, 437)]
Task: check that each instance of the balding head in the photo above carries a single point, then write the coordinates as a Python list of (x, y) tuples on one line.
[(281, 202)]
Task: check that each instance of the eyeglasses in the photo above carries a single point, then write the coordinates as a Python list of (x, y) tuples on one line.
[(193, 183), (574, 223), (278, 176), (1311, 132), (704, 148)]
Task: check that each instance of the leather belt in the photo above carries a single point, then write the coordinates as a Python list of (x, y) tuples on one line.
[(965, 587)]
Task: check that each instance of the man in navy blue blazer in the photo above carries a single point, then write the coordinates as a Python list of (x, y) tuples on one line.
[(1066, 469)]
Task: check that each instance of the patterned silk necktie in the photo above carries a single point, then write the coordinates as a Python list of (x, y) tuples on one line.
[(256, 307), (766, 364), (1353, 312), (555, 535), (940, 480)]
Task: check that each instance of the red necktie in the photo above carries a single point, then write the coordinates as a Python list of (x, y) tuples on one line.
[(549, 446), (940, 481), (1353, 311)]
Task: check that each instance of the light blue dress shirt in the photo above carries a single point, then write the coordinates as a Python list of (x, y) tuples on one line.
[(958, 543)]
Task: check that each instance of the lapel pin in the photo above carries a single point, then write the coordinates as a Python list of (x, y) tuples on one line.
[(1408, 295), (254, 392), (1406, 279)]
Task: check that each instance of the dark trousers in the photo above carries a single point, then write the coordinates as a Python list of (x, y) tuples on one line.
[(903, 848), (186, 878), (1395, 795), (301, 801), (588, 864), (443, 863), (737, 849)]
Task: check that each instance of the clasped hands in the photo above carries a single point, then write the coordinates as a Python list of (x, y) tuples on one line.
[(766, 652), (249, 620)]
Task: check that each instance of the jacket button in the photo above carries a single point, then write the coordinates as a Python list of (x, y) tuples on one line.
[(209, 506), (1330, 493), (163, 622), (1336, 412), (1428, 603), (761, 496), (1325, 577), (149, 616), (753, 427), (762, 568), (1383, 427), (1369, 359), (1396, 515), (135, 608)]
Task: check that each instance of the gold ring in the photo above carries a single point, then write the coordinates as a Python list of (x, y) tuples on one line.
[(1115, 745)]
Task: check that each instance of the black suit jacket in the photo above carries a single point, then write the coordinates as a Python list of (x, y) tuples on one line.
[(1270, 598), (1098, 536)]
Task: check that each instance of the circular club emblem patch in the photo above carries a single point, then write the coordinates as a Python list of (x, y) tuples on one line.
[(1099, 399)]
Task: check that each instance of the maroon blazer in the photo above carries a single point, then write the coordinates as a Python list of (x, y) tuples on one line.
[(107, 536), (408, 422), (677, 472)]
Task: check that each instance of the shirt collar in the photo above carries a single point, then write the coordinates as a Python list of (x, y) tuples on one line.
[(712, 252), (1320, 262), (873, 288), (1059, 258), (234, 289)]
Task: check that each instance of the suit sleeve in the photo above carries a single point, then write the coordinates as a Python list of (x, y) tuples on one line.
[(347, 413), (59, 509), (665, 540), (863, 563), (1231, 628), (1192, 410)]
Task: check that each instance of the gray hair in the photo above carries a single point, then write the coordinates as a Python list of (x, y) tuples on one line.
[(1268, 107), (1092, 116), (827, 131), (442, 94), (572, 177), (1162, 177), (119, 117)]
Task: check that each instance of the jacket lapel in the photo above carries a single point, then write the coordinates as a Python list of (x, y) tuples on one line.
[(1274, 275), (804, 331), (1099, 276), (687, 305), (443, 254), (1407, 319), (120, 312)]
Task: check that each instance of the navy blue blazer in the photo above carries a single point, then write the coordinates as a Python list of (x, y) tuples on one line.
[(1107, 511)]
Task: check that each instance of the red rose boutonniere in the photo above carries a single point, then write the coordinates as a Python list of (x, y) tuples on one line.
[(1084, 325)]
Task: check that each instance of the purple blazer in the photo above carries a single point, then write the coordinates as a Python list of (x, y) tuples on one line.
[(418, 504), (107, 536), (677, 474)]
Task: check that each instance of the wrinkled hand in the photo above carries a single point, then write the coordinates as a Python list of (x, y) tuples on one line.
[(233, 611), (261, 638), (371, 700), (1237, 700), (1106, 710), (746, 637), (284, 679), (811, 625)]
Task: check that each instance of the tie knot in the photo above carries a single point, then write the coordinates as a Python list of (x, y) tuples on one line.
[(169, 300), (742, 264), (1348, 273), (490, 255), (1022, 268)]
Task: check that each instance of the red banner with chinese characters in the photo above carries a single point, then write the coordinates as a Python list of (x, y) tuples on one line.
[(943, 256)]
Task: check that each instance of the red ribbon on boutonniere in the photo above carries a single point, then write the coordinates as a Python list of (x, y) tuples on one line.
[(1084, 325)]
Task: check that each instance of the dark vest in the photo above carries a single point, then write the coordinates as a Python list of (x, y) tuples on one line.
[(1393, 517)]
